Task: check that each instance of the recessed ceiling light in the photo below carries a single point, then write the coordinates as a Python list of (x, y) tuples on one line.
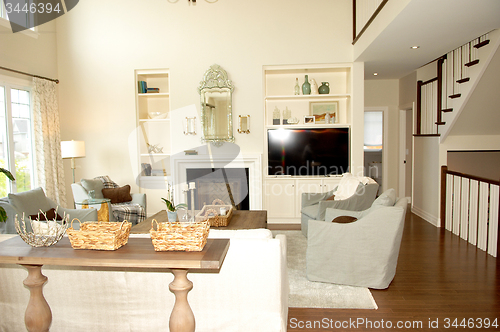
[(415, 47), (375, 74)]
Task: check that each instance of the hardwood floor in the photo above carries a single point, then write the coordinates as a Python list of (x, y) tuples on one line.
[(440, 279)]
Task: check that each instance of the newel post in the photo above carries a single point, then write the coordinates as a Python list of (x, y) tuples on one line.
[(444, 172)]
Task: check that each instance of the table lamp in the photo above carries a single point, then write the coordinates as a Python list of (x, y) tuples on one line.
[(72, 149)]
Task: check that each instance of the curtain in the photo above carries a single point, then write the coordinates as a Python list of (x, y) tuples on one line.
[(49, 165)]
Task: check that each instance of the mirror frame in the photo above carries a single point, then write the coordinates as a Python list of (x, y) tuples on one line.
[(215, 79)]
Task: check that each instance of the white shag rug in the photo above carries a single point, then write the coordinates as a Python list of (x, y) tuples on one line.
[(309, 294)]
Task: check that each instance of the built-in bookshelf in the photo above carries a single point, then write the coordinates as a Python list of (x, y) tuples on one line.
[(153, 133)]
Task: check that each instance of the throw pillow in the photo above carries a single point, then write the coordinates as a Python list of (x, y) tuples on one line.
[(344, 219), (347, 186), (93, 184), (118, 195), (331, 198), (388, 198), (30, 202), (48, 215)]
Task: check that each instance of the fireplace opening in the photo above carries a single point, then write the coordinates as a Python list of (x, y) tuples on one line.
[(227, 184)]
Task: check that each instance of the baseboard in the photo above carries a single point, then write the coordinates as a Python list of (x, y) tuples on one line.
[(426, 216)]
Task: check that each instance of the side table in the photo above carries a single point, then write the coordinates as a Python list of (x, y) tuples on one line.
[(103, 212)]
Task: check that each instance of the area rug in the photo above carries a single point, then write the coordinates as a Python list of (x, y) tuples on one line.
[(308, 294)]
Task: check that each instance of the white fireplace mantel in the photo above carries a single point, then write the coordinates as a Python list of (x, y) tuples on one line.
[(253, 162)]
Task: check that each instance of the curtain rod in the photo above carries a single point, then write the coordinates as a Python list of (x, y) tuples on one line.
[(23, 73)]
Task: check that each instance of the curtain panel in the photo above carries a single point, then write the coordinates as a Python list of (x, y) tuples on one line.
[(47, 135)]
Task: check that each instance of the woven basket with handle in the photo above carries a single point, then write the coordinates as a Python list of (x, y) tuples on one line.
[(99, 235), (179, 236)]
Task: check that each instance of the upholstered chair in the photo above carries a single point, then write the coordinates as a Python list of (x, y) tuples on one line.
[(132, 208), (314, 205), (358, 251), (33, 202)]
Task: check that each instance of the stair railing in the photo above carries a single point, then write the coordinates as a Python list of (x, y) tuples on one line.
[(435, 96), (363, 14), (470, 208)]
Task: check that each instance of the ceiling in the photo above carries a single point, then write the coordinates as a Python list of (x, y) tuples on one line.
[(437, 26)]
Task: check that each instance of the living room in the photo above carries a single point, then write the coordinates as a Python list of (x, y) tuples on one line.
[(94, 50)]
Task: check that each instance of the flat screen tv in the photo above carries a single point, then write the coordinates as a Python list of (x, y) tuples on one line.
[(308, 152)]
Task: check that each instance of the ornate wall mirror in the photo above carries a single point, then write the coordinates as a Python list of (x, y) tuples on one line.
[(216, 106)]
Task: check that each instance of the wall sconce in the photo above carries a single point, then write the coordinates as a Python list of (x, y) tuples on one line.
[(190, 125), (244, 124)]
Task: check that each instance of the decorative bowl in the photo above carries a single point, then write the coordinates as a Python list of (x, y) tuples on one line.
[(41, 233)]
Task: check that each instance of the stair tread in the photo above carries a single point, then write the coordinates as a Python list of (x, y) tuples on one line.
[(457, 95), (447, 110), (463, 80), (440, 123), (483, 43), (472, 63)]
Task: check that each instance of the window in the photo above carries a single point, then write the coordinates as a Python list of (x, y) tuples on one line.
[(29, 17), (16, 147)]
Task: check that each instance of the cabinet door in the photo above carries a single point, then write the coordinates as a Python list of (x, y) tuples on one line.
[(280, 198), (306, 186), (330, 184)]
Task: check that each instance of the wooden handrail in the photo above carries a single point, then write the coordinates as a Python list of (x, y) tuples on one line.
[(473, 177)]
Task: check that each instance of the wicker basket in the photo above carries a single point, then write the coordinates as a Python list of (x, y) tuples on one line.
[(212, 214), (179, 236), (99, 235)]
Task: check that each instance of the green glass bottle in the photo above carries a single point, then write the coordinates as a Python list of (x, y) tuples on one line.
[(306, 87)]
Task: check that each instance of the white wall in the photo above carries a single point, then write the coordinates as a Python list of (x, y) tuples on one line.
[(100, 44), (426, 178), (385, 93)]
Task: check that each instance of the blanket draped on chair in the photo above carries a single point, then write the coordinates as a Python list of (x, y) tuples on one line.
[(133, 213)]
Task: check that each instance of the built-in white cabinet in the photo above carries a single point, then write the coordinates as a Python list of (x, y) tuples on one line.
[(286, 109), (152, 87), (283, 196)]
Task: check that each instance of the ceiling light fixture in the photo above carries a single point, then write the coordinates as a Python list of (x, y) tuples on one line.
[(415, 47), (375, 74)]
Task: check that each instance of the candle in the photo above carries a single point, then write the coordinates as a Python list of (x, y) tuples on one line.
[(192, 185)]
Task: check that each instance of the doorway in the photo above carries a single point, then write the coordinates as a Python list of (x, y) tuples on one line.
[(374, 145)]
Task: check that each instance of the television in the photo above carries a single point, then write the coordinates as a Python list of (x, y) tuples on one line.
[(308, 152)]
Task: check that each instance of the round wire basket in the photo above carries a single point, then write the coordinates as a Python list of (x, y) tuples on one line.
[(38, 233)]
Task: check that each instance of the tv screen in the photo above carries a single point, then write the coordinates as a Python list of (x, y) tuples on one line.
[(308, 152)]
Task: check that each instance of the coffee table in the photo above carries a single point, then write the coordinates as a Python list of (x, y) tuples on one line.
[(241, 219), (137, 254)]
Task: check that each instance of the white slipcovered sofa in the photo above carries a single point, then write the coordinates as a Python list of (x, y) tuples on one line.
[(249, 294)]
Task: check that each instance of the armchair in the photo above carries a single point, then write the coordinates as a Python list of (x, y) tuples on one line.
[(314, 205), (361, 253), (31, 202), (117, 211)]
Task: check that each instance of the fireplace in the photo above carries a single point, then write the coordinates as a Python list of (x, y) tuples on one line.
[(241, 172), (229, 185)]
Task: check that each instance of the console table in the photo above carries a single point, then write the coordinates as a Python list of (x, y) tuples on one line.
[(138, 254), (242, 219)]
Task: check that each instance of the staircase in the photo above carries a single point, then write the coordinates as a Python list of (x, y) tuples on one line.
[(441, 100)]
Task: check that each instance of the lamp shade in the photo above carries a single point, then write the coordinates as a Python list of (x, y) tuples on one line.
[(72, 149)]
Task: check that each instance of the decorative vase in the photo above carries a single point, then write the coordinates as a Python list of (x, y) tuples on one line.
[(306, 87), (172, 216), (314, 87), (297, 88), (324, 89)]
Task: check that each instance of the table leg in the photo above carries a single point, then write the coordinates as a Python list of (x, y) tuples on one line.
[(38, 316), (182, 317)]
